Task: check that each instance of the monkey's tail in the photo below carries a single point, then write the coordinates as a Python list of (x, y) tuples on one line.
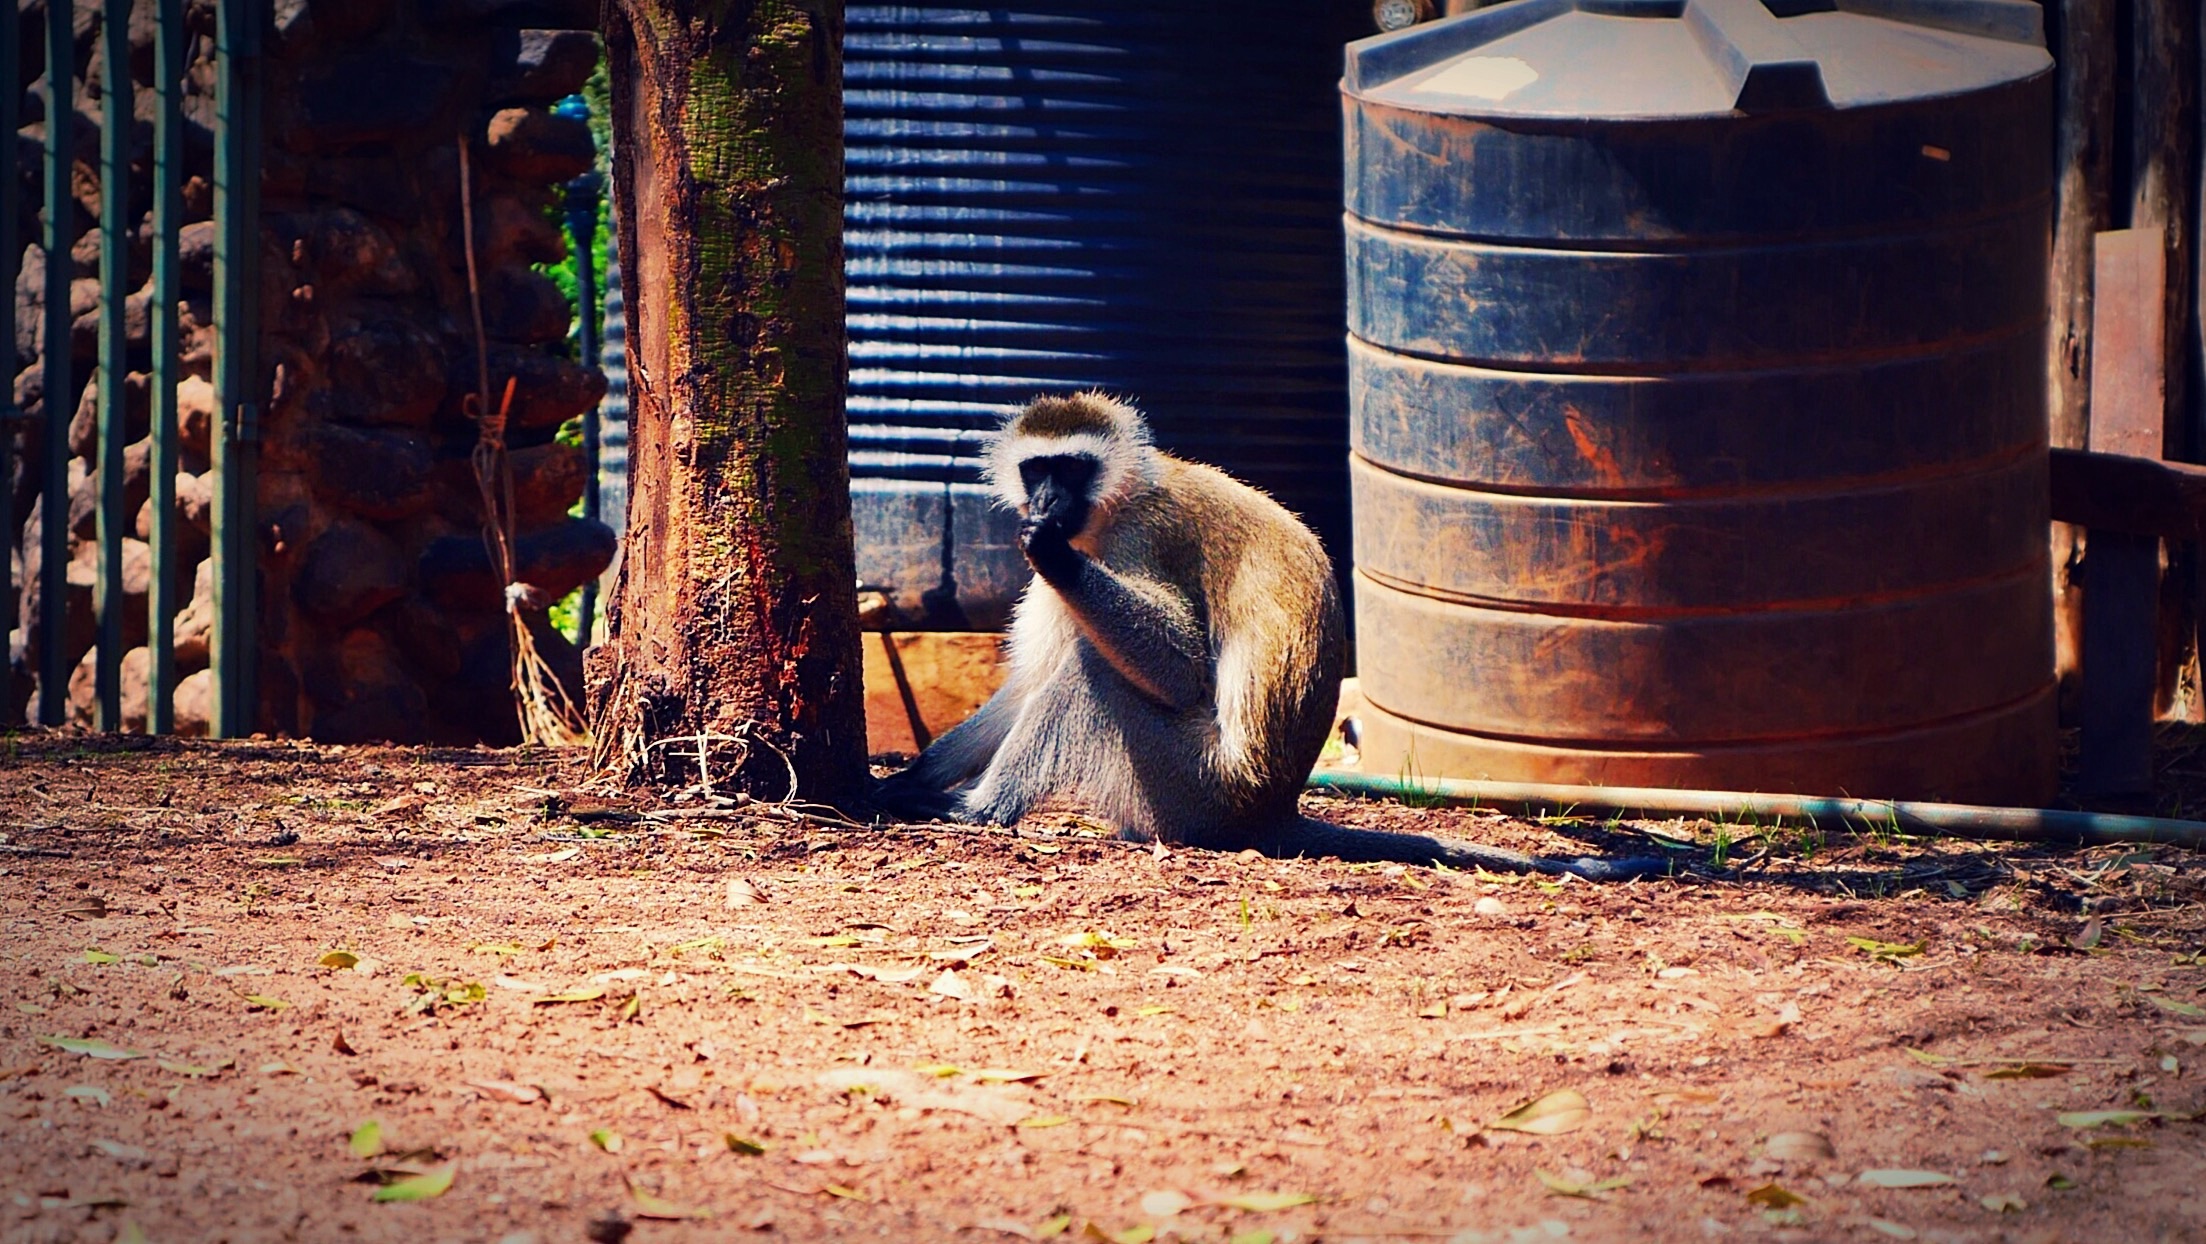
[(1305, 836)]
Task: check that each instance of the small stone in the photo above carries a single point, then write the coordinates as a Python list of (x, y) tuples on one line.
[(608, 1228), (530, 144), (380, 473), (194, 704), (547, 65), (547, 481), (521, 304), (350, 571)]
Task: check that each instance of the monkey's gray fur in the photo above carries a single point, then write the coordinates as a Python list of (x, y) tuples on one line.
[(1173, 666)]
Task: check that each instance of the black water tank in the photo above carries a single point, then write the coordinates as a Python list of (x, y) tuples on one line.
[(1135, 195), (1698, 365)]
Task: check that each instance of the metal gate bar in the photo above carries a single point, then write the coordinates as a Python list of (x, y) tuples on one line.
[(169, 50), (53, 534), (11, 416), (114, 433), (237, 332)]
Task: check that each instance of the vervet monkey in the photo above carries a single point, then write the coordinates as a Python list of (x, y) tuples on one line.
[(1174, 664)]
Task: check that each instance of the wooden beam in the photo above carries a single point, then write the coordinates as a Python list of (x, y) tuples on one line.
[(2121, 586), (2140, 496)]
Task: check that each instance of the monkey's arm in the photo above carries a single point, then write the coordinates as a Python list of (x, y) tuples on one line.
[(1152, 638)]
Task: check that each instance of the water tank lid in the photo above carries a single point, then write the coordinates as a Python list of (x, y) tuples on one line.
[(1655, 59)]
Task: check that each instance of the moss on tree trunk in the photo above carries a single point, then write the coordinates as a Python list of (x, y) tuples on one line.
[(735, 618)]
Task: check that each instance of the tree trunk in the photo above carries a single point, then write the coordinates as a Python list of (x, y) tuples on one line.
[(2082, 36), (732, 654)]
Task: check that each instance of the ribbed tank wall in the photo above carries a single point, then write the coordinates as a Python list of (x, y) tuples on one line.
[(1698, 444), (1135, 196)]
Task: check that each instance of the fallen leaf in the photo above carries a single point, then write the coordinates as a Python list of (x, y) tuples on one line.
[(998, 1076), (1144, 1012), (1164, 1204), (2003, 1202), (1045, 1120), (1774, 1196), (2059, 1182), (507, 1091), (1564, 1110), (2173, 1007), (843, 1191), (90, 1047), (425, 1186), (92, 908), (606, 1139), (1885, 951), (94, 955), (367, 1140), (1258, 1236), (1897, 1230), (743, 892), (339, 1045), (1592, 1190), (588, 993), (89, 1092), (263, 1002), (651, 1205), (2028, 1071), (738, 1144), (1266, 1202), (1799, 1147), (196, 1071), (1052, 1226), (951, 985), (2085, 1120), (1902, 1179)]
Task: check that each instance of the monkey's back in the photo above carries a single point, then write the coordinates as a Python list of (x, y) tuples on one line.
[(1260, 582)]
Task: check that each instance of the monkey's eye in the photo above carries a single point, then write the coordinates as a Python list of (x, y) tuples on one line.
[(1072, 473)]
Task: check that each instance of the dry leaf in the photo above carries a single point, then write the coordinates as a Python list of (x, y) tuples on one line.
[(507, 1091), (1266, 1202), (1799, 1147), (422, 1187), (951, 985), (651, 1205), (1903, 1179), (743, 892), (1564, 1110), (1774, 1196), (1164, 1204), (90, 1047)]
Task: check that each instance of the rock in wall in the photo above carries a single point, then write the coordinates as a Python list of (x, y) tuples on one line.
[(380, 613)]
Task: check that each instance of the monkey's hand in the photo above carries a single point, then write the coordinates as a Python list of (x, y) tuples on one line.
[(1049, 550)]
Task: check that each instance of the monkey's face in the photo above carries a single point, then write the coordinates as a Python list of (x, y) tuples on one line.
[(1059, 493)]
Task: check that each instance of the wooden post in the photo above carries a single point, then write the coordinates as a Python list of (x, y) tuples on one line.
[(2121, 569), (2163, 137), (2082, 35), (731, 658)]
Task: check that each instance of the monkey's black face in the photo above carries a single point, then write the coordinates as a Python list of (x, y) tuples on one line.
[(1058, 488), (1057, 504)]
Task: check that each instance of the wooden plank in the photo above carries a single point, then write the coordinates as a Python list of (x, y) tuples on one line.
[(2139, 496), (2122, 570), (2128, 334), (921, 683)]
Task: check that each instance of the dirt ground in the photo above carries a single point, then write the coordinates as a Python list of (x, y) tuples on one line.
[(582, 1017)]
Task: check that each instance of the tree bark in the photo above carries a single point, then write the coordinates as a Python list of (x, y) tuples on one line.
[(732, 656)]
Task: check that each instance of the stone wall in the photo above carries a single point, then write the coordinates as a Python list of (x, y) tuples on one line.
[(380, 613)]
